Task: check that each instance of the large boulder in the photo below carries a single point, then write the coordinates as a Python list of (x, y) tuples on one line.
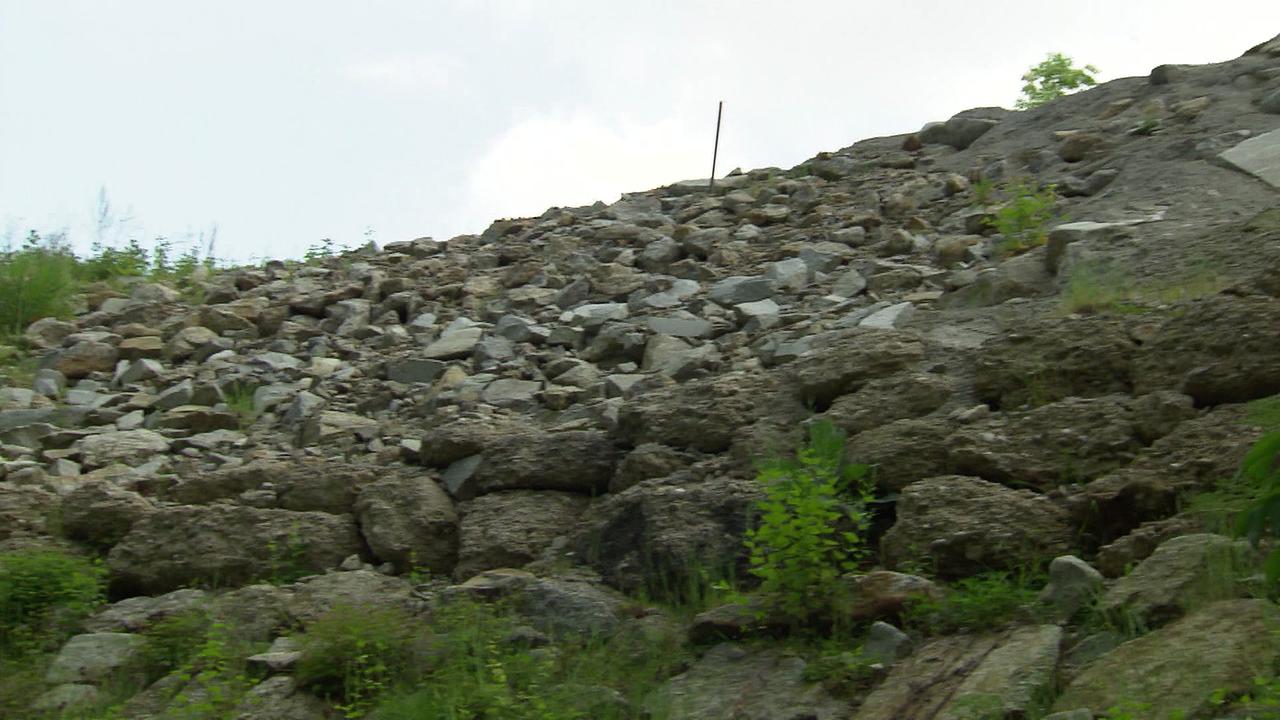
[(100, 513), (1184, 573), (901, 396), (559, 606), (1218, 350), (1073, 440), (1055, 358), (1220, 648), (970, 676), (661, 534), (128, 447), (903, 451), (83, 358), (312, 597), (706, 414), (227, 545), (409, 521), (841, 362), (964, 525), (309, 485), (512, 528), (580, 461)]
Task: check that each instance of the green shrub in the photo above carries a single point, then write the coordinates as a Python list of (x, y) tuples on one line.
[(353, 655), (43, 595), (36, 281), (1022, 220), (975, 604), (173, 643), (1052, 79), (811, 524), (1261, 469)]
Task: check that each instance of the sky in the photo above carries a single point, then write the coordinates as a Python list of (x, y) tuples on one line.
[(282, 122)]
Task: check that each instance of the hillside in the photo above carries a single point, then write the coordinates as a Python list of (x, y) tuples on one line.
[(510, 475)]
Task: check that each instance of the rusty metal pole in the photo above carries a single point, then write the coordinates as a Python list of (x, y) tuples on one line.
[(716, 150)]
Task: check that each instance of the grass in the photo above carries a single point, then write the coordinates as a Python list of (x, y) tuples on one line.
[(1097, 287), (1022, 220), (977, 604)]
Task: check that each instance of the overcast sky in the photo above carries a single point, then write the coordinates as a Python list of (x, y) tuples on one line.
[(285, 122)]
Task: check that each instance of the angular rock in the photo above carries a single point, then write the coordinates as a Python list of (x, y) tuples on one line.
[(1259, 156), (129, 447), (741, 289), (958, 132), (101, 513), (1183, 573), (963, 526), (93, 658), (410, 522), (580, 461), (82, 358), (511, 529), (213, 548), (1227, 644)]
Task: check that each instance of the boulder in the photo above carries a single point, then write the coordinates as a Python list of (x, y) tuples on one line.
[(1182, 574), (841, 362), (705, 414), (964, 525), (1176, 669), (100, 513), (1055, 358), (1221, 349), (580, 461), (511, 529), (93, 658), (127, 447), (82, 358), (187, 545), (410, 522), (662, 534)]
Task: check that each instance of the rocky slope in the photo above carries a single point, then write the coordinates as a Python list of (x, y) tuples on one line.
[(581, 395)]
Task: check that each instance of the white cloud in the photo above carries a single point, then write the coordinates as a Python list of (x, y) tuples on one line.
[(404, 74), (576, 158)]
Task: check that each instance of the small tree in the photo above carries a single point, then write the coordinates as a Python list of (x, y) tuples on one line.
[(812, 524), (1053, 78)]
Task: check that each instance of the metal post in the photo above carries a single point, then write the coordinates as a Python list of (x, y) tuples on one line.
[(716, 151)]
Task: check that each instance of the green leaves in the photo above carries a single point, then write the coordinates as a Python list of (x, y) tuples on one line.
[(1261, 468), (1052, 79), (811, 522)]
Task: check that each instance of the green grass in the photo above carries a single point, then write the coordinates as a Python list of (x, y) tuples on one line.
[(1097, 287), (978, 604)]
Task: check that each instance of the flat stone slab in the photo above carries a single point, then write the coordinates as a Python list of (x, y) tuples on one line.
[(1258, 156)]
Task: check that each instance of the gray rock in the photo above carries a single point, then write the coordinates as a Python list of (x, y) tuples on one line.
[(889, 318), (68, 696), (1073, 584), (187, 341), (175, 395), (885, 643), (681, 327), (455, 345), (136, 614), (1094, 233), (512, 393), (414, 370), (958, 132), (764, 312), (740, 289), (1184, 573), (409, 522), (48, 333), (790, 274), (49, 383), (1258, 156), (83, 358), (1270, 103), (963, 525), (850, 284), (101, 513), (511, 529), (93, 658), (1220, 648), (129, 447), (214, 547), (594, 315)]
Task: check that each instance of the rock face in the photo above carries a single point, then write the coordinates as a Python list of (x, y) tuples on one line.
[(963, 526), (569, 407), (184, 545), (1229, 643)]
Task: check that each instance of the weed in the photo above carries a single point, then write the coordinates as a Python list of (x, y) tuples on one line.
[(812, 524), (36, 281), (844, 673), (239, 400), (983, 191), (1022, 220), (287, 560), (214, 680), (353, 655), (975, 604), (1261, 468), (43, 595)]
